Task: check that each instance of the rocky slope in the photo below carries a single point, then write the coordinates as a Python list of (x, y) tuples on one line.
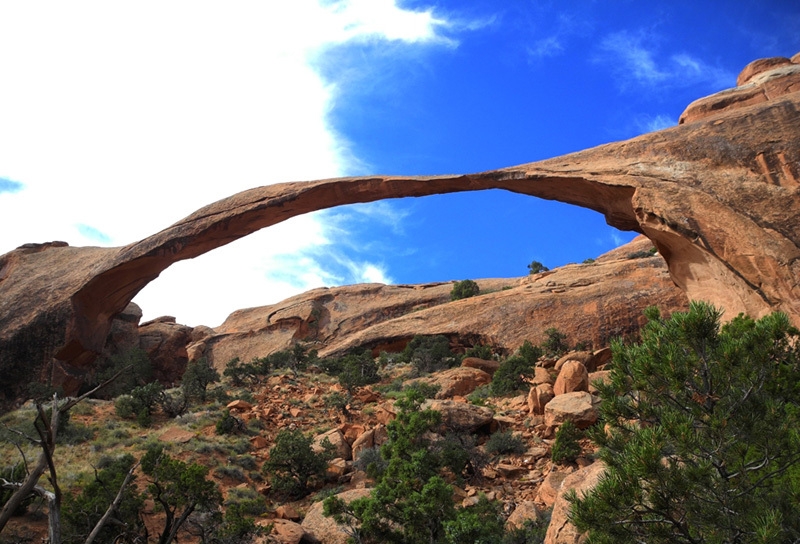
[(718, 196), (590, 303)]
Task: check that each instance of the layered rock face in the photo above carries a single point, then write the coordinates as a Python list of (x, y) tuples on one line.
[(718, 196), (590, 303)]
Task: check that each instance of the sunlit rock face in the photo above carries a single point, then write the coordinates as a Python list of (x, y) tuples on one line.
[(717, 195)]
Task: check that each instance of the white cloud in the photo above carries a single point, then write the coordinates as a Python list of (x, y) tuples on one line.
[(652, 123), (635, 61), (119, 119)]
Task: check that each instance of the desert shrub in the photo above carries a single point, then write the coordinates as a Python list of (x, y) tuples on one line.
[(566, 447), (14, 473), (529, 352), (700, 433), (504, 442), (411, 501), (358, 369), (464, 289), (140, 403), (479, 351), (140, 373), (246, 461), (480, 395), (293, 466), (429, 353), (425, 390), (177, 489), (370, 461), (227, 471), (536, 267), (174, 403), (478, 524), (249, 501), (555, 342), (197, 377), (229, 424), (81, 512), (509, 378)]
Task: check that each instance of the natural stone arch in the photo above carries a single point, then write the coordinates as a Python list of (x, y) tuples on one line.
[(718, 195)]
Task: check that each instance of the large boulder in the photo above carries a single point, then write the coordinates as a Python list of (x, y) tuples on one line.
[(323, 530), (460, 416), (579, 407), (458, 381), (717, 195), (560, 530), (572, 377)]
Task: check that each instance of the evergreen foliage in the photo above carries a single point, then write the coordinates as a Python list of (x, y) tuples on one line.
[(411, 502), (536, 267), (140, 372), (81, 512), (566, 447), (178, 489), (503, 442), (555, 343), (293, 466), (197, 377), (701, 435), (464, 289), (429, 353)]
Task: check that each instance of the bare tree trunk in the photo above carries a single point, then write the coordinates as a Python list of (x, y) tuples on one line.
[(111, 507), (48, 444)]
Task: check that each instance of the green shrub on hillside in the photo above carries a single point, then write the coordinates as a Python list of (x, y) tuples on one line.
[(464, 289), (701, 438), (429, 353), (293, 466), (566, 447)]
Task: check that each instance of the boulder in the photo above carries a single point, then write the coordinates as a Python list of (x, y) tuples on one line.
[(560, 530), (523, 511), (541, 375), (490, 367), (165, 342), (460, 416), (538, 397), (578, 407), (284, 531), (573, 377), (323, 530), (551, 485), (364, 442), (456, 382), (341, 447), (581, 356)]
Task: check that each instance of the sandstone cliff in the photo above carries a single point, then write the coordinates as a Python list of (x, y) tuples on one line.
[(718, 195)]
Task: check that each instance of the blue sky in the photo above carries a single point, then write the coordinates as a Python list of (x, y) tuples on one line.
[(116, 121)]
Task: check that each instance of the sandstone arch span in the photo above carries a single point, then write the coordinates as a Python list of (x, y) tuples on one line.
[(719, 195)]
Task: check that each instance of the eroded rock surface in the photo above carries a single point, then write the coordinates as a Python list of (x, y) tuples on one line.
[(718, 195)]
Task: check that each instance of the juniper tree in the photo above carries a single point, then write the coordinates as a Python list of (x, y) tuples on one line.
[(700, 434)]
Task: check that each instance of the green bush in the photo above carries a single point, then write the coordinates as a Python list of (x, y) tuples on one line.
[(229, 424), (197, 377), (464, 289), (140, 373), (504, 442), (536, 267), (700, 438), (566, 447), (293, 466), (555, 343), (81, 512), (509, 378), (429, 353), (531, 532), (140, 403), (480, 351)]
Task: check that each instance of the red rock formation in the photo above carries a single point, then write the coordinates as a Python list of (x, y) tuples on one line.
[(718, 195)]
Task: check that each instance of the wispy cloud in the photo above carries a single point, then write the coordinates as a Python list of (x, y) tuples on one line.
[(546, 47), (635, 61), (9, 186), (216, 100), (93, 234), (560, 28), (653, 123)]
